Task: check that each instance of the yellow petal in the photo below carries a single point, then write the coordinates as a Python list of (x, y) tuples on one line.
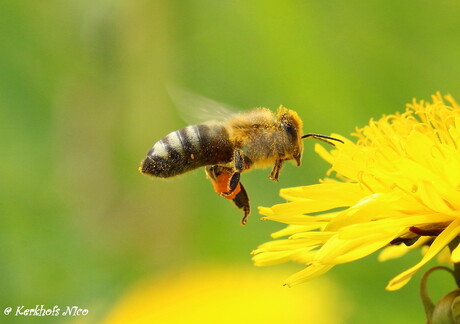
[(392, 252), (455, 257), (273, 258), (449, 233), (393, 221), (293, 229), (444, 256), (336, 250), (344, 194), (304, 207), (324, 153), (314, 236), (282, 245), (312, 271), (396, 251), (431, 197), (299, 219)]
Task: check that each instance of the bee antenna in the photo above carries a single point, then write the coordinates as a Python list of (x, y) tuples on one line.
[(323, 138)]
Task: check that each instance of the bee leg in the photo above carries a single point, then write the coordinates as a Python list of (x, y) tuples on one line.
[(238, 160), (212, 172), (241, 201), (234, 180), (224, 180), (208, 170), (276, 170)]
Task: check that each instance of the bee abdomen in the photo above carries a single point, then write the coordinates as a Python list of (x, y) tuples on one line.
[(187, 149)]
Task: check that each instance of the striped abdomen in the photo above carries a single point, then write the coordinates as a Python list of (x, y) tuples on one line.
[(187, 149)]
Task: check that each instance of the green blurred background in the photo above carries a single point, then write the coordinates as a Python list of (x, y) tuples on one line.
[(82, 99)]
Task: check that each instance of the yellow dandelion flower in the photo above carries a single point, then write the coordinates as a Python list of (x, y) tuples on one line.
[(398, 184), (228, 294)]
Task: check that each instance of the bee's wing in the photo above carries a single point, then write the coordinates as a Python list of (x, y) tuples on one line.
[(195, 109)]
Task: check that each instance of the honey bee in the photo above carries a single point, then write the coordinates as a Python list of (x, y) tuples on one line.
[(257, 138)]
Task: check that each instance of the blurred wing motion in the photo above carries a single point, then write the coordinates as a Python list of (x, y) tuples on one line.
[(195, 109)]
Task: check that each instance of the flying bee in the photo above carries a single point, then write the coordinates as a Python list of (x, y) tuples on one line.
[(257, 138)]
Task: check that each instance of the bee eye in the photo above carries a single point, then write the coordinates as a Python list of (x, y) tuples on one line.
[(290, 129)]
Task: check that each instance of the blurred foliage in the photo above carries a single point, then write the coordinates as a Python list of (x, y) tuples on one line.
[(82, 99)]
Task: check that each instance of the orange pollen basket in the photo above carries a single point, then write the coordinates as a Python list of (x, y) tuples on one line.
[(221, 186)]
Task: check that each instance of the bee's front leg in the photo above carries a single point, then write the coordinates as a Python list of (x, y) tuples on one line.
[(276, 170)]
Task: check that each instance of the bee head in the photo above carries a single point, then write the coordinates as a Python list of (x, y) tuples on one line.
[(291, 124)]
